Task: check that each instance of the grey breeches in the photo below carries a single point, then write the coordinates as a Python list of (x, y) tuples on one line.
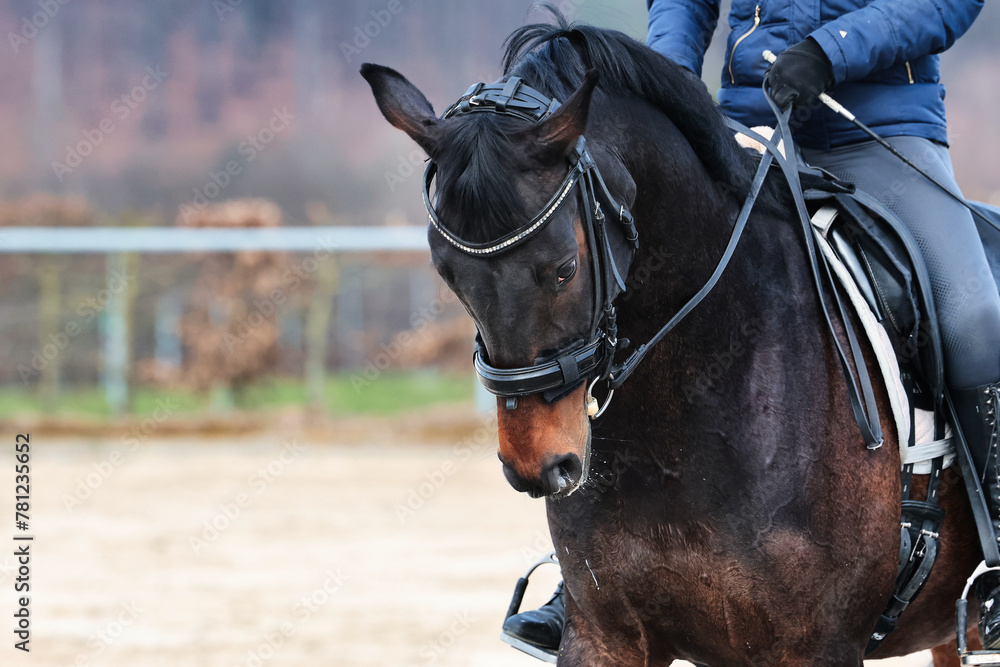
[(965, 294)]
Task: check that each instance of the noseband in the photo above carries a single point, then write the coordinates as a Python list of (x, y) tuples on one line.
[(587, 360)]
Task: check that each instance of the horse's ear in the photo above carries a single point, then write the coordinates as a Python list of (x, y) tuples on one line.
[(555, 136), (403, 105)]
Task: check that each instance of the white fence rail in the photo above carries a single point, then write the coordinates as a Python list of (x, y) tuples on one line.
[(109, 240)]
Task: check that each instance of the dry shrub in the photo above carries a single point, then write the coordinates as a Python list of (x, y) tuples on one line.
[(446, 344), (44, 210), (229, 333), (38, 210)]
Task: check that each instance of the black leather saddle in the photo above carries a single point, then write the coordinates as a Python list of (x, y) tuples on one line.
[(883, 258)]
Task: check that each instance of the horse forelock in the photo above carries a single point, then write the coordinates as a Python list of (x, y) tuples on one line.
[(477, 178)]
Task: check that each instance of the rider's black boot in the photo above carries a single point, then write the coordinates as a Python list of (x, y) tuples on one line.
[(541, 627), (977, 414)]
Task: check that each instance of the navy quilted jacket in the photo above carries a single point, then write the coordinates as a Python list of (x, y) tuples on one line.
[(883, 52)]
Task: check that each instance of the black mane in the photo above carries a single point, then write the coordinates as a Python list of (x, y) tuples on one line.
[(553, 59)]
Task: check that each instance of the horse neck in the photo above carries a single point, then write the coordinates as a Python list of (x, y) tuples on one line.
[(763, 297), (685, 221)]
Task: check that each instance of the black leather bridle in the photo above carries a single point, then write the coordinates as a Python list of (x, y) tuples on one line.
[(584, 360)]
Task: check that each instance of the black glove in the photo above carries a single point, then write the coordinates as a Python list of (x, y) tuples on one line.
[(799, 74)]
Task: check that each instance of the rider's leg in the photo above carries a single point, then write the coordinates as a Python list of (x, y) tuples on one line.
[(965, 295), (976, 408)]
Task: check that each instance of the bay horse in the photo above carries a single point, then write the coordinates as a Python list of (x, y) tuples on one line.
[(723, 509)]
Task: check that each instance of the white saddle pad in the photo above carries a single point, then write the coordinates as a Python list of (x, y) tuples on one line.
[(927, 447)]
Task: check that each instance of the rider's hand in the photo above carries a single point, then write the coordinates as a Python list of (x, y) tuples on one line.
[(799, 74)]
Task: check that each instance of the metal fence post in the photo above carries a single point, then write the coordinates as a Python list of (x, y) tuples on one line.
[(116, 338)]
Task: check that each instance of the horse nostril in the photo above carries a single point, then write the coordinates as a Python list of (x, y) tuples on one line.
[(562, 473), (514, 479)]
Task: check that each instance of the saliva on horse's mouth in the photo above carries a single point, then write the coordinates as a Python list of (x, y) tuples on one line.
[(567, 488)]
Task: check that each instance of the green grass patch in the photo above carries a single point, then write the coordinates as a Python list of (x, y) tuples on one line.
[(397, 392), (388, 394)]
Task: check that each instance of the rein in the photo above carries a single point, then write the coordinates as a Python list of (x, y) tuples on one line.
[(791, 166), (622, 371)]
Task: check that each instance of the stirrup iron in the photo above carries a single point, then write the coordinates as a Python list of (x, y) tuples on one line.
[(965, 656), (515, 606)]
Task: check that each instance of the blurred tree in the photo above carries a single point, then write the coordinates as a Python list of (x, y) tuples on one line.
[(229, 331), (47, 86)]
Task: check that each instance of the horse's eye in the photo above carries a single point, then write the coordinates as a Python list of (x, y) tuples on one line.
[(566, 272)]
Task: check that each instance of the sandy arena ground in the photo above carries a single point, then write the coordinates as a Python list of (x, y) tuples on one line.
[(274, 550)]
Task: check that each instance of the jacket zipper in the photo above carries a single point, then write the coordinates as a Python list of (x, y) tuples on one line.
[(909, 72), (756, 22)]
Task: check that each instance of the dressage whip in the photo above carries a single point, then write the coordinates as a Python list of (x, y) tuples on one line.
[(841, 111)]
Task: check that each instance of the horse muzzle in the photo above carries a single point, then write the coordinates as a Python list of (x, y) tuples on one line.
[(545, 447)]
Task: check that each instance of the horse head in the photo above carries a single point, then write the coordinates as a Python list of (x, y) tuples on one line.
[(510, 236)]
